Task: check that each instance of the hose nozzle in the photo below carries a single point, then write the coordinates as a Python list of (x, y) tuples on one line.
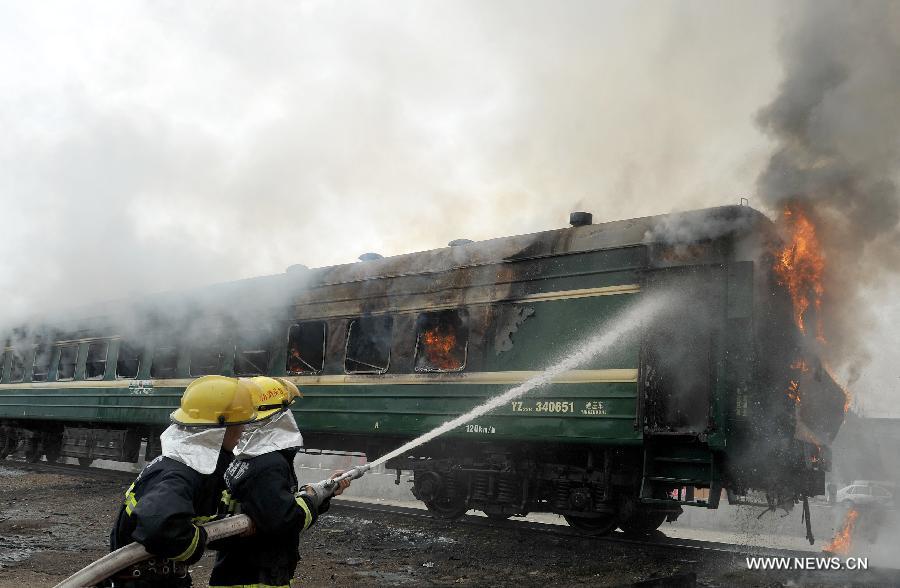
[(351, 474), (354, 473)]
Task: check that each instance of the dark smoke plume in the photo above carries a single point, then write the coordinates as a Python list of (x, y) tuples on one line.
[(836, 122)]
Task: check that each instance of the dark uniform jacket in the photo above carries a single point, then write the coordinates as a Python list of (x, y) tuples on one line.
[(164, 507), (264, 488)]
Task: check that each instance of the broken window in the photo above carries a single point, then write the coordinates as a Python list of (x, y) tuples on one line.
[(369, 345), (41, 364), (68, 357), (165, 362), (306, 348), (441, 341), (129, 361), (95, 367), (16, 366), (251, 357), (208, 357)]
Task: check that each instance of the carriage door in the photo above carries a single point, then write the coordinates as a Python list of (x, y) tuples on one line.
[(679, 351)]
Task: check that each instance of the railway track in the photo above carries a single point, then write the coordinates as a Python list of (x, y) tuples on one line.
[(347, 505), (657, 539), (68, 469)]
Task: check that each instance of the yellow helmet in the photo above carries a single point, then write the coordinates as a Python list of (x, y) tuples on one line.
[(272, 395), (216, 400)]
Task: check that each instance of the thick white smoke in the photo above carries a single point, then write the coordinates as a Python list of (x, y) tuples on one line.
[(150, 146), (155, 146)]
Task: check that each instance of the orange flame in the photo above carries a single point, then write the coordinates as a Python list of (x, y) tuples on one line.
[(800, 365), (800, 266), (794, 392), (440, 349), (840, 545)]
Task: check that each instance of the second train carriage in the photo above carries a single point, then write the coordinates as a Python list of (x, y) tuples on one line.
[(387, 349)]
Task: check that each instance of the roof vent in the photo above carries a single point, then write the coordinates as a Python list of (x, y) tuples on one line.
[(370, 256), (580, 219), (297, 267), (458, 242)]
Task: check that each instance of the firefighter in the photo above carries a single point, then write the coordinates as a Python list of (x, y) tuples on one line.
[(262, 484), (181, 488)]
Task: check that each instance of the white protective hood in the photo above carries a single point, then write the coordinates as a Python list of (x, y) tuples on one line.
[(277, 433), (196, 448)]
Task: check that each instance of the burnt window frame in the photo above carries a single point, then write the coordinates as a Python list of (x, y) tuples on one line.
[(266, 342), (212, 340), (21, 355), (177, 354), (5, 354), (58, 353), (463, 315), (375, 370), (287, 355), (34, 357), (141, 350), (87, 359)]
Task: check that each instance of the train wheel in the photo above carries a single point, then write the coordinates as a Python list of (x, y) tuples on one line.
[(642, 522), (7, 443), (85, 461), (593, 525), (52, 447), (438, 496), (33, 450), (450, 511)]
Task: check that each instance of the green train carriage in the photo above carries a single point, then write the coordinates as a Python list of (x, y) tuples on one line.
[(387, 349)]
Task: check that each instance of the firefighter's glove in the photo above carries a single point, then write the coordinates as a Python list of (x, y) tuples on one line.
[(200, 549), (319, 492)]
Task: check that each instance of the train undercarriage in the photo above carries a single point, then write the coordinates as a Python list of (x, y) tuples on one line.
[(596, 489), (53, 441)]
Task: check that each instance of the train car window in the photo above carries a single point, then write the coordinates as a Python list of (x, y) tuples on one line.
[(16, 366), (165, 362), (41, 365), (369, 345), (441, 341), (208, 358), (68, 357), (129, 361), (251, 357), (95, 367), (306, 348)]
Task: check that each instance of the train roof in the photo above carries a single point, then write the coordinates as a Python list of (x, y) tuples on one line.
[(273, 290), (680, 227)]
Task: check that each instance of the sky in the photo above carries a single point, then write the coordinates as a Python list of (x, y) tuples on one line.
[(151, 146)]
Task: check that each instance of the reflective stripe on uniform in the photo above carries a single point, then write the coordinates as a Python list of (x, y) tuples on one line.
[(305, 507), (130, 500), (231, 505), (191, 548)]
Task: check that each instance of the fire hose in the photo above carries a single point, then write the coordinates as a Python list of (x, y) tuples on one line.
[(134, 553)]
